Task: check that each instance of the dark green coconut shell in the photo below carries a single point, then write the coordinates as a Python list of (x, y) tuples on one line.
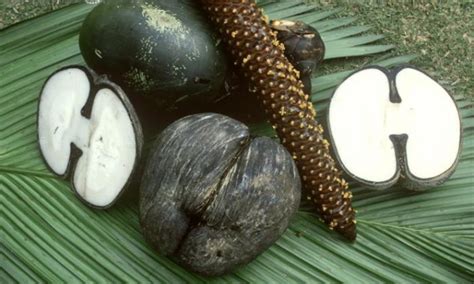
[(162, 49)]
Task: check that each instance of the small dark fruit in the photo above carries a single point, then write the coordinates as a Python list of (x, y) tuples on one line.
[(398, 125), (212, 197), (304, 47), (88, 132)]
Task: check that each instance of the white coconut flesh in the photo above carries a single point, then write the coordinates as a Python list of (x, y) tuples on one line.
[(106, 139), (362, 118)]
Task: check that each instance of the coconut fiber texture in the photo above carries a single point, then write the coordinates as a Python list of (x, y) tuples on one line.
[(212, 197), (256, 50)]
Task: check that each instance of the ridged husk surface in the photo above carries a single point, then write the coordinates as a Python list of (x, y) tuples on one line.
[(212, 197)]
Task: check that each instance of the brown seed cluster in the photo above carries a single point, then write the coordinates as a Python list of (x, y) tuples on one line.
[(260, 56)]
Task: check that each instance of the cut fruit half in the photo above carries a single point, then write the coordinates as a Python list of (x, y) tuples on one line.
[(88, 131), (387, 125)]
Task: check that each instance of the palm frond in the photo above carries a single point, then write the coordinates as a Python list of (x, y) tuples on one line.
[(48, 235)]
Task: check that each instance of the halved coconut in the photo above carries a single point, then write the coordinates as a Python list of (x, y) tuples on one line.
[(391, 124), (88, 131)]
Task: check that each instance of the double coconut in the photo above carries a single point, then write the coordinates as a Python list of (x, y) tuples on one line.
[(89, 132), (212, 197), (398, 125)]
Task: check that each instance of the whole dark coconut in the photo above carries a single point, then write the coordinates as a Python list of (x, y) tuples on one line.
[(212, 197), (162, 49)]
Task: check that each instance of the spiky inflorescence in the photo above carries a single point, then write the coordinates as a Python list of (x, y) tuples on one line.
[(257, 51)]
